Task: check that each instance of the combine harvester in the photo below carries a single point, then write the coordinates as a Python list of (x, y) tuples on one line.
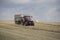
[(23, 19)]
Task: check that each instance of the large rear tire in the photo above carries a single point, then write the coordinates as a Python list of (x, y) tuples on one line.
[(25, 23), (32, 23)]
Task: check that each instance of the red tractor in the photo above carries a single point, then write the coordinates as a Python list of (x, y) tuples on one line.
[(24, 20)]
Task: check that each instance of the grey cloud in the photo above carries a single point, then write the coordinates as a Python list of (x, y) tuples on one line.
[(37, 9)]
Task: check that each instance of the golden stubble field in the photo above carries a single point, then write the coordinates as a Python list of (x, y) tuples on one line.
[(41, 31), (38, 26)]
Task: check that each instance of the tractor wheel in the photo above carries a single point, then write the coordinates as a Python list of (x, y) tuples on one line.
[(25, 23), (32, 23)]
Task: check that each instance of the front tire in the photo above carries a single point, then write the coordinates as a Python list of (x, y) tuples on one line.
[(32, 23), (25, 23)]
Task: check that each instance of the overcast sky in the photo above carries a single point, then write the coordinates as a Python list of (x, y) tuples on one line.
[(43, 10)]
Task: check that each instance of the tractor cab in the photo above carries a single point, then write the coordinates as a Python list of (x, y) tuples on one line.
[(28, 18)]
